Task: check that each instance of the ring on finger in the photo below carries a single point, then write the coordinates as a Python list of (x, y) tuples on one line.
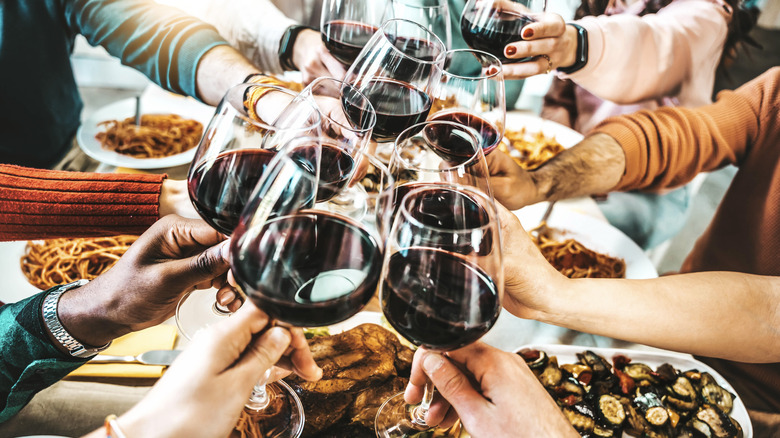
[(549, 63)]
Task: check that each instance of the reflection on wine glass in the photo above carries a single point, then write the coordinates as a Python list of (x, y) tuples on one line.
[(442, 282), (298, 258), (489, 25), (347, 25), (230, 160), (473, 98), (432, 14), (396, 71), (438, 152)]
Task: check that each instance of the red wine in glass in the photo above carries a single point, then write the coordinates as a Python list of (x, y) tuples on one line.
[(220, 188), (311, 268), (492, 31), (398, 105), (446, 305), (452, 147), (336, 169), (345, 39)]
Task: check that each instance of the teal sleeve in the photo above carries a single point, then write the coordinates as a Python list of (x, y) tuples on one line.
[(160, 41), (28, 360)]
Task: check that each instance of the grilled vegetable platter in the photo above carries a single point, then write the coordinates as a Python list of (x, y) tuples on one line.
[(607, 392)]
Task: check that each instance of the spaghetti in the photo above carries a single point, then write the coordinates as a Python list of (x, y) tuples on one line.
[(160, 135), (530, 150), (52, 262), (574, 260)]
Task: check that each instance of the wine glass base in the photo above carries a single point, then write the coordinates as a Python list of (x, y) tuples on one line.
[(283, 417), (394, 419), (198, 310)]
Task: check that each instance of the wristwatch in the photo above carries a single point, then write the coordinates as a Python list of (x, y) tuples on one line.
[(52, 321), (582, 50), (286, 46)]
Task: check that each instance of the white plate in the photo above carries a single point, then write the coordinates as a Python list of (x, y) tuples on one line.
[(15, 284), (567, 137), (158, 104), (595, 234), (568, 354)]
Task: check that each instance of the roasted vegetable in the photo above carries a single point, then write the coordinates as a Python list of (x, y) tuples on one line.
[(652, 408), (581, 417), (535, 359), (640, 373), (716, 395), (551, 376), (720, 424), (626, 383), (610, 411), (596, 363), (682, 394)]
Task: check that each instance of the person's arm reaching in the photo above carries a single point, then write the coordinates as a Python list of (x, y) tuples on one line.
[(646, 150), (718, 314)]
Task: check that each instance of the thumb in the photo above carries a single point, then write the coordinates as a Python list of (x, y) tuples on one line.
[(202, 267), (454, 386)]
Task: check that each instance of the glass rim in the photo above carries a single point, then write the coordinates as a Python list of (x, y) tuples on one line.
[(470, 78), (265, 125), (458, 189), (472, 159), (359, 93), (407, 3), (436, 39)]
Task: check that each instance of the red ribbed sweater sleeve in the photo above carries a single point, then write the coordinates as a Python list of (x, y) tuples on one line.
[(43, 204)]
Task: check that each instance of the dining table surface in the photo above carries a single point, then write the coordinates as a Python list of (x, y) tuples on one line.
[(77, 405)]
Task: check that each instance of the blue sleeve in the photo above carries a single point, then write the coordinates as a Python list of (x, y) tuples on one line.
[(28, 360), (160, 41)]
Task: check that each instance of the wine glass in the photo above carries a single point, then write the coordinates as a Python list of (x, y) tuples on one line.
[(396, 71), (475, 99), (231, 158), (489, 25), (300, 260), (442, 282), (347, 25), (433, 14), (436, 152)]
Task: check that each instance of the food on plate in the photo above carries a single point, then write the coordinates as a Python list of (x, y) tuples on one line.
[(604, 400), (160, 135), (52, 262), (572, 259), (529, 150)]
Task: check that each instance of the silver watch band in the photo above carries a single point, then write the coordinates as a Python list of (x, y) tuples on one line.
[(52, 321)]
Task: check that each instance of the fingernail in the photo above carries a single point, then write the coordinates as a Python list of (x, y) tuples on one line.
[(510, 50), (225, 250), (528, 33), (492, 70), (432, 362), (227, 298), (279, 336)]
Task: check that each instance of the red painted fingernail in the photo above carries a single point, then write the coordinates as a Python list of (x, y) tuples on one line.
[(528, 33), (510, 50)]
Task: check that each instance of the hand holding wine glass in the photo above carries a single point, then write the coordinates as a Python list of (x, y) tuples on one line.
[(547, 44), (442, 282), (489, 25)]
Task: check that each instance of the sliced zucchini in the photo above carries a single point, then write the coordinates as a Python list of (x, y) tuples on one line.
[(720, 424), (610, 410), (715, 394)]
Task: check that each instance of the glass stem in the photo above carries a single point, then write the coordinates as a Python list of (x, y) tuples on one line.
[(419, 413), (259, 398)]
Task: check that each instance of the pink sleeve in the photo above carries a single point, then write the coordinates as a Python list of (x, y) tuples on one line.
[(632, 59)]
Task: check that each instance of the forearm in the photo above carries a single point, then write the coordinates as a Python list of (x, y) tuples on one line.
[(42, 204), (219, 69), (594, 166), (719, 314), (657, 51)]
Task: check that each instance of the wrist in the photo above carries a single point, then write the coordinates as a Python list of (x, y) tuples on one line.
[(84, 314), (570, 39), (306, 38), (287, 45), (576, 38)]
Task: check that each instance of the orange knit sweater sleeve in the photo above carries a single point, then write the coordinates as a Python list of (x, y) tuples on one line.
[(43, 204), (668, 147)]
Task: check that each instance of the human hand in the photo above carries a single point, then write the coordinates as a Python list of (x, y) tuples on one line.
[(313, 59), (492, 391), (174, 256), (512, 185), (211, 380), (549, 36), (175, 199)]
